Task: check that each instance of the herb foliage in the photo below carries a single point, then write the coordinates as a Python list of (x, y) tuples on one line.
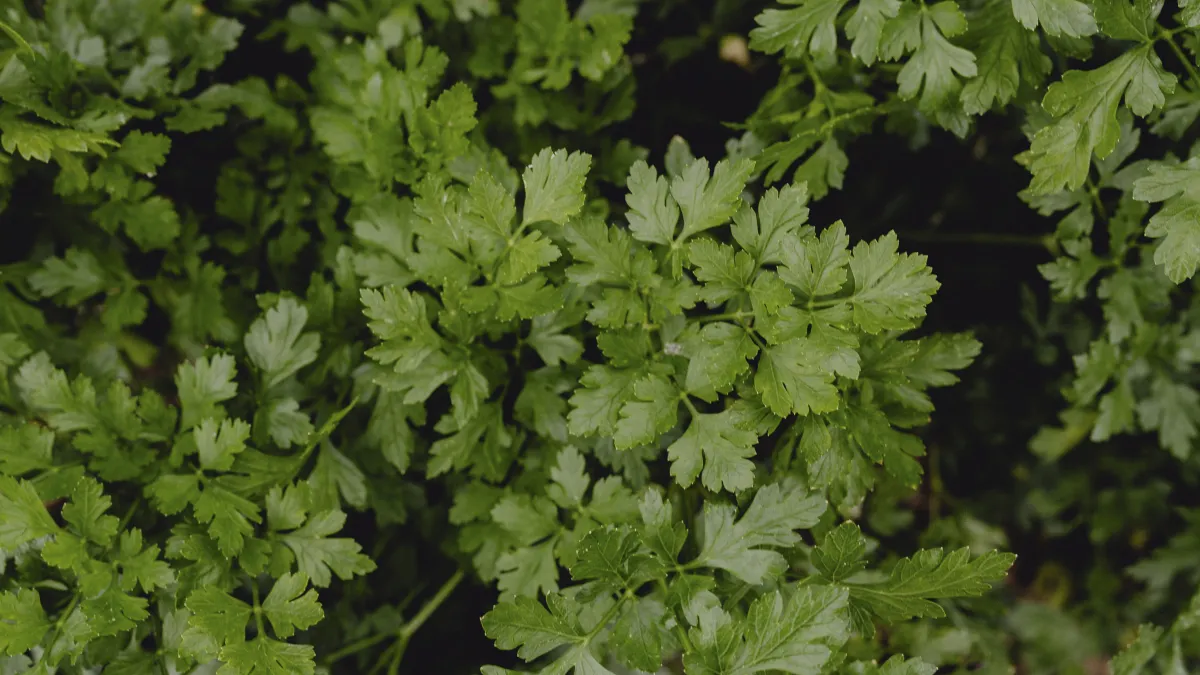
[(320, 317)]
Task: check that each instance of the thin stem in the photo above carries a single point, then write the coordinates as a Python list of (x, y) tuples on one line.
[(986, 238), (829, 302), (608, 616), (755, 339), (1094, 191), (383, 659), (394, 654), (16, 37), (356, 646), (62, 618), (398, 655), (431, 606), (129, 514), (687, 402), (258, 615), (935, 483), (818, 83), (1168, 37), (679, 630), (725, 316)]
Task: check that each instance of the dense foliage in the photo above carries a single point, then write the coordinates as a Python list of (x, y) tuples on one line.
[(594, 337)]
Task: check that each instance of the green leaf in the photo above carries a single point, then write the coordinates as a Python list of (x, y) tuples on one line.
[(229, 517), (525, 256), (649, 414), (604, 254), (610, 556), (493, 203), (806, 29), (408, 343), (653, 214), (203, 385), (719, 445), (23, 621), (75, 277), (66, 406), (217, 616), (172, 493), (23, 516), (780, 220), (931, 574), (569, 479), (639, 634), (1086, 104), (319, 555), (218, 445), (290, 607), (794, 633), (143, 152), (718, 356), (264, 656), (1057, 17), (596, 404), (86, 513), (797, 376), (286, 424), (1134, 657), (816, 266), (891, 290), (1008, 56), (336, 477), (898, 665), (937, 65), (141, 566), (527, 571), (724, 273), (866, 25), (28, 447), (661, 532), (1135, 21), (532, 629), (390, 430), (1179, 187), (1172, 409), (705, 201), (530, 519), (743, 547), (554, 186), (277, 344), (841, 553)]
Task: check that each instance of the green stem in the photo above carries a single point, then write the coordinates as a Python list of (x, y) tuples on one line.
[(258, 614), (356, 646), (679, 630), (427, 610), (829, 302), (726, 316), (818, 83), (398, 656), (687, 402), (129, 513), (935, 483), (608, 616), (985, 238), (394, 654), (16, 37), (62, 618), (1168, 37), (1094, 191), (755, 339), (383, 659)]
